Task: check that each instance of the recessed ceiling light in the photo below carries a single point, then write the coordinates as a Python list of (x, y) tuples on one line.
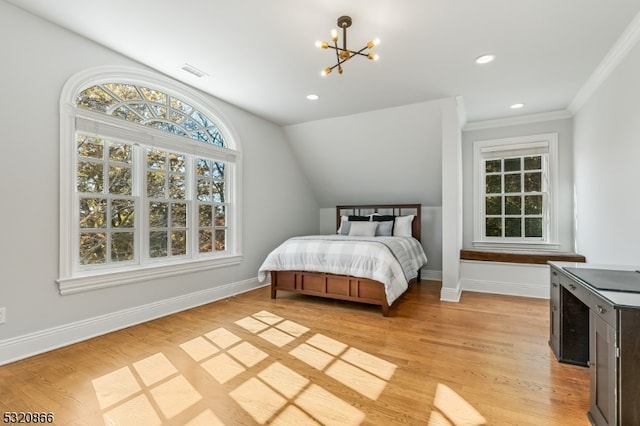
[(517, 106), (313, 97), (485, 59)]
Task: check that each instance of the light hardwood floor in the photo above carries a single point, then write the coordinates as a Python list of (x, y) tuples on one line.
[(300, 360)]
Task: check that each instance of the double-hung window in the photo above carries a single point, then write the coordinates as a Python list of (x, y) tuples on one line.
[(515, 201), (150, 181)]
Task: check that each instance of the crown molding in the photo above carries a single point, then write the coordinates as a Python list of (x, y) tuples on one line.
[(618, 52), (515, 121)]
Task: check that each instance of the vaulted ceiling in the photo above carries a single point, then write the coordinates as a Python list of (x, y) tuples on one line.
[(260, 54)]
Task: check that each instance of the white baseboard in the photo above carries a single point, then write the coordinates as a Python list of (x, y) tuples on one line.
[(448, 294), (428, 274), (21, 347)]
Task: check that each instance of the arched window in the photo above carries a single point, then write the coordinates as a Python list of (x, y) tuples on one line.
[(150, 181)]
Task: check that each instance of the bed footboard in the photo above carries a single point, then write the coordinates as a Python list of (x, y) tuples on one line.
[(331, 286)]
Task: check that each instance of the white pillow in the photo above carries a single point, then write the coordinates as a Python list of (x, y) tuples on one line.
[(343, 219), (402, 226), (363, 229)]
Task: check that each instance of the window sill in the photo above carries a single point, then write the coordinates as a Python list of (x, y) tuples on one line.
[(524, 246), (520, 257), (110, 279)]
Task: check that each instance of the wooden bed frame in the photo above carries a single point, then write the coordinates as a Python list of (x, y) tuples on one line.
[(345, 287)]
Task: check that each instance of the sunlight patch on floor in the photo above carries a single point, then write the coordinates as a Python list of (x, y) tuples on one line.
[(454, 410), (175, 396), (223, 368), (154, 368), (115, 387), (153, 390)]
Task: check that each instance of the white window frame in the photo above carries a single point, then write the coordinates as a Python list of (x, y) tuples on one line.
[(72, 278), (517, 146)]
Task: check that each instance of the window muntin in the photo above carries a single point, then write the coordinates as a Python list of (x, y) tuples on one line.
[(106, 206), (152, 108), (515, 199), (129, 187)]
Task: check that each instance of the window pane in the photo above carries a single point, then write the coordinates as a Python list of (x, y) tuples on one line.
[(95, 98), (176, 117), (218, 171), (204, 190), (142, 109), (493, 166), (156, 159), (89, 177), (218, 192), (533, 182), (177, 163), (120, 152), (126, 114), (533, 204), (178, 243), (158, 243), (122, 214), (120, 180), (512, 227), (533, 227), (493, 184), (220, 239), (155, 184), (177, 187), (122, 246), (154, 95), (180, 106), (220, 219), (93, 248), (93, 213), (124, 91), (158, 215), (533, 163), (493, 205), (179, 215), (512, 164), (493, 227), (203, 167), (89, 147), (513, 205), (512, 183), (204, 215), (205, 241)]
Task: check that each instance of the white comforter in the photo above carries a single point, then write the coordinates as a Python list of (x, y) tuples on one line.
[(394, 261)]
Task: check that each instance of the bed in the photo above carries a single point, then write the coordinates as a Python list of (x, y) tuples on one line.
[(353, 264)]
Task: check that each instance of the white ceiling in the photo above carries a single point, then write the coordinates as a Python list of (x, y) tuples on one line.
[(260, 54)]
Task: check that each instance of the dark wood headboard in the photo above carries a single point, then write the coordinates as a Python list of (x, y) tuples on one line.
[(394, 209)]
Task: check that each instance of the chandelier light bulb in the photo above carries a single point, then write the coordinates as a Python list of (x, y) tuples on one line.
[(373, 56), (322, 44), (326, 71), (373, 43), (334, 34)]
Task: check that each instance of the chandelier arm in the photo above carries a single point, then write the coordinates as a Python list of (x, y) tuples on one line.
[(359, 52)]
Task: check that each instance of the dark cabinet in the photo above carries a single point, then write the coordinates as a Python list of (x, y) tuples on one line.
[(599, 329)]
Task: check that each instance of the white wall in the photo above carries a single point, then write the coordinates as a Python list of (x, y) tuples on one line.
[(38, 58), (607, 168), (391, 155)]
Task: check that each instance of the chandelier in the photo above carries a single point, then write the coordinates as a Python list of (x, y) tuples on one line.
[(343, 54)]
